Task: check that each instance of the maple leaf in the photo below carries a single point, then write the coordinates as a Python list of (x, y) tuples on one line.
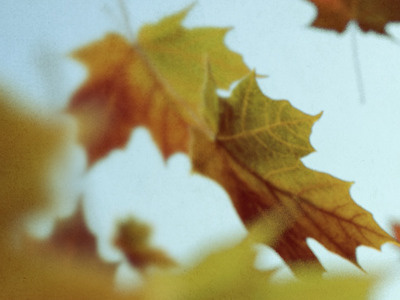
[(255, 155), (156, 82), (370, 15), (133, 239)]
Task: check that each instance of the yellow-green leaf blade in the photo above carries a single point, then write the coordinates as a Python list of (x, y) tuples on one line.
[(179, 55), (256, 158)]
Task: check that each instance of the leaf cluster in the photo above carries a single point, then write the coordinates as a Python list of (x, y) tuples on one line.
[(252, 145)]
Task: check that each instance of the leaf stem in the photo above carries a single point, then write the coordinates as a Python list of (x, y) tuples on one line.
[(357, 65), (126, 20)]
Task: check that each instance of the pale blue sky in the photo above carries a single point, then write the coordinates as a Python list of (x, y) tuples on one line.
[(313, 69)]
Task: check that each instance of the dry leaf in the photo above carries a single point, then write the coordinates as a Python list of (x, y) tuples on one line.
[(133, 238), (370, 15), (73, 242), (396, 231), (255, 155), (156, 82)]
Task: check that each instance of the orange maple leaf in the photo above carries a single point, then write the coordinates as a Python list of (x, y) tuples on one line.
[(156, 82), (370, 15)]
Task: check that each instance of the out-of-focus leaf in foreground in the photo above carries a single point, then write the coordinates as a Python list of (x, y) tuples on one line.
[(255, 155), (311, 286), (133, 238), (370, 15), (230, 274), (73, 242), (227, 274), (396, 231), (31, 145), (28, 146), (156, 82)]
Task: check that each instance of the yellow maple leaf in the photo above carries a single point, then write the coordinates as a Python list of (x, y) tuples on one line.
[(156, 82), (255, 155)]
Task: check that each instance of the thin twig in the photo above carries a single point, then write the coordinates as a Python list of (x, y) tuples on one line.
[(357, 65), (126, 20)]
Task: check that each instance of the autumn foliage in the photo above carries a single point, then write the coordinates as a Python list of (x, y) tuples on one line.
[(369, 15), (168, 81)]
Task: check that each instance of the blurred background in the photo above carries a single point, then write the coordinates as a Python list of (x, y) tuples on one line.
[(357, 138)]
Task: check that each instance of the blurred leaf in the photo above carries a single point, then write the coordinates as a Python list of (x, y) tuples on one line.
[(133, 238), (156, 82), (396, 231), (312, 286), (225, 274), (73, 242), (230, 274), (30, 144), (370, 15), (31, 147)]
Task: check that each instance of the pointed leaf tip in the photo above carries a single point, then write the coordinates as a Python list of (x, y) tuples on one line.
[(166, 27)]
